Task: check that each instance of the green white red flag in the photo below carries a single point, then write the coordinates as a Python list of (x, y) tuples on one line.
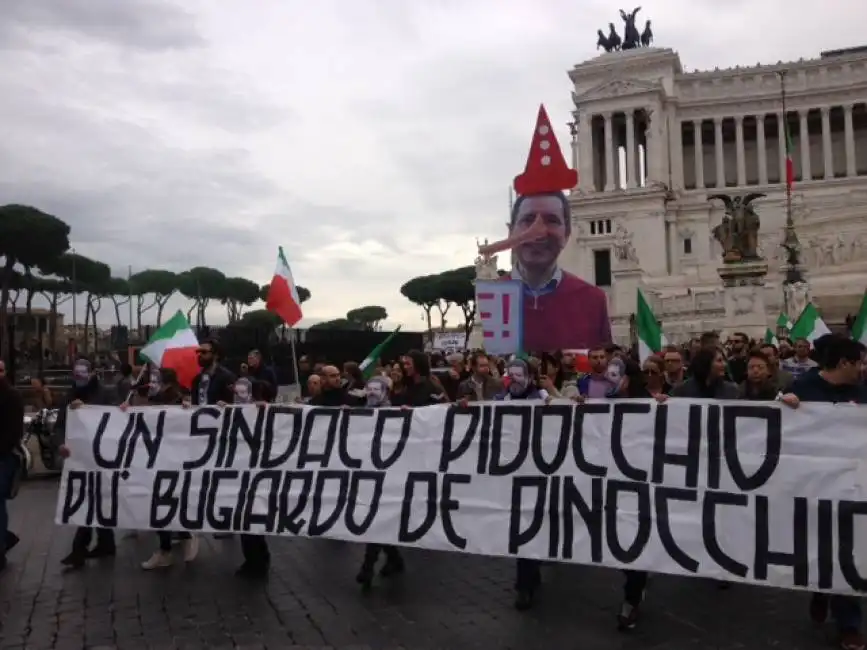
[(283, 297), (790, 161), (175, 346), (859, 329), (809, 325), (651, 340)]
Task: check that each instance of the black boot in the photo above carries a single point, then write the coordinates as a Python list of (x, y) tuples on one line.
[(100, 551), (11, 540), (252, 571), (393, 562), (365, 576), (74, 560)]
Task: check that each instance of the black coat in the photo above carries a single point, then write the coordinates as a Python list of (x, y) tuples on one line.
[(11, 417)]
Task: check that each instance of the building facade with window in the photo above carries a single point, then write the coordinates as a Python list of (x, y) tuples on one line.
[(653, 144)]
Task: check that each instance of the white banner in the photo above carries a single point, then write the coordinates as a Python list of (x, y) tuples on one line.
[(739, 491), (450, 342)]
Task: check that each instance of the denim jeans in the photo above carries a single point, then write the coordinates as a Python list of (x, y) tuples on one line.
[(8, 467)]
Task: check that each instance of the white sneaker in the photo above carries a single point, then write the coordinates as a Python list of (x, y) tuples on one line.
[(158, 560), (191, 548)]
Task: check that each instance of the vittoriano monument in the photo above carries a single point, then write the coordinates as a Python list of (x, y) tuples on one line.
[(631, 36)]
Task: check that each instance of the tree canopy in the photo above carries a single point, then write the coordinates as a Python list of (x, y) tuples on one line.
[(443, 290), (36, 260), (369, 317)]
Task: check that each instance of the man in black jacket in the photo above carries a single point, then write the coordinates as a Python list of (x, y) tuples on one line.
[(86, 389), (11, 433), (838, 381), (215, 385)]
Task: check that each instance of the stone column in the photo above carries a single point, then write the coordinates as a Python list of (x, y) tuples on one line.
[(609, 153), (850, 140), (806, 173), (762, 149), (739, 150), (698, 153), (781, 138), (673, 248), (631, 151), (826, 143), (720, 154), (586, 156), (675, 145)]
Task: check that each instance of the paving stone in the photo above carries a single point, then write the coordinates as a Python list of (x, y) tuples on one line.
[(311, 601)]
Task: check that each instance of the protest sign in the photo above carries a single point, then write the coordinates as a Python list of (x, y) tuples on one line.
[(449, 342), (501, 313), (739, 491)]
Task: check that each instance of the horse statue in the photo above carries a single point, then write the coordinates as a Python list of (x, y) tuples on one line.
[(603, 41), (631, 37), (614, 41), (646, 35)]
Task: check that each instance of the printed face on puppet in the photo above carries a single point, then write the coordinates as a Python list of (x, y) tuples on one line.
[(375, 392), (543, 253)]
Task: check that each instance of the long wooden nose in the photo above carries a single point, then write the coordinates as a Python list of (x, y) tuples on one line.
[(536, 231)]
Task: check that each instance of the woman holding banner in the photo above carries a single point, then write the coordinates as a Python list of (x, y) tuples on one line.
[(168, 394)]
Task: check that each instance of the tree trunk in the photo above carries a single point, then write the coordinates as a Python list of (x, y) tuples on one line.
[(5, 281)]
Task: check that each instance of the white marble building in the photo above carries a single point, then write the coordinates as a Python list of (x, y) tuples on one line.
[(641, 215)]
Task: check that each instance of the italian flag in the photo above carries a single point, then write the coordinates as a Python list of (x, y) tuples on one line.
[(368, 366), (810, 325), (175, 346), (770, 337), (650, 337), (283, 297), (785, 321), (790, 161), (859, 330)]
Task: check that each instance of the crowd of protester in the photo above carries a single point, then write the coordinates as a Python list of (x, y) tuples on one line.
[(830, 370)]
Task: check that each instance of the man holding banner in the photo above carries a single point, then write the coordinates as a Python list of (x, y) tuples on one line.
[(838, 381), (215, 385)]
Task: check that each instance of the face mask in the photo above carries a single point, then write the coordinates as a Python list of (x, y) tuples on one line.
[(81, 374), (154, 383), (375, 393), (518, 379), (614, 372)]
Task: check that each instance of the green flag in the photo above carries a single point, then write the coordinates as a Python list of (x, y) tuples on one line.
[(369, 364)]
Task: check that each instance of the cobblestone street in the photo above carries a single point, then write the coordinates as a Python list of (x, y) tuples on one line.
[(312, 601)]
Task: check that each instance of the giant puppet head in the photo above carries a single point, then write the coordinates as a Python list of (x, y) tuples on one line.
[(540, 222)]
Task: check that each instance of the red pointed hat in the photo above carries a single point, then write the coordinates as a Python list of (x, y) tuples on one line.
[(546, 169)]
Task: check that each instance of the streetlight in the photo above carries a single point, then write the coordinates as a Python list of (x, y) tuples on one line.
[(790, 242)]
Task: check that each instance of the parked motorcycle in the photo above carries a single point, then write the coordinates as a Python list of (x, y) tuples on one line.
[(41, 426)]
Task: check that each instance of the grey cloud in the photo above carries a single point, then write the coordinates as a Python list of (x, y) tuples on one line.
[(130, 24)]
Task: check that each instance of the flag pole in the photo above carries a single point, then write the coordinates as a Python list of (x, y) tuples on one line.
[(135, 384), (295, 359), (129, 289)]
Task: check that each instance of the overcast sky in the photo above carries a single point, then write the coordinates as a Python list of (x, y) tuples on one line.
[(373, 139)]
